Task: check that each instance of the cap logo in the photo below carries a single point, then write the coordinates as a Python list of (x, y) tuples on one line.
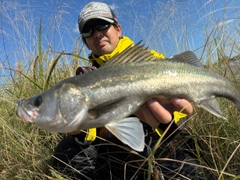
[(94, 9)]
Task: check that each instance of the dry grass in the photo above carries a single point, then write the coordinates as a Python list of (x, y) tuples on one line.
[(26, 151)]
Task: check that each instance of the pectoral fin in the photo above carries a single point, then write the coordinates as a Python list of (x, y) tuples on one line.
[(129, 131)]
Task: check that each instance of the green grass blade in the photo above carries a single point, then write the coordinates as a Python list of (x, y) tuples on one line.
[(31, 80), (51, 70), (40, 55)]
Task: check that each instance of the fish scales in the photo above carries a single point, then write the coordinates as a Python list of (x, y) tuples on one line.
[(160, 78), (108, 95)]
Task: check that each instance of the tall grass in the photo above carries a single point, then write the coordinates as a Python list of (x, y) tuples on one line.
[(37, 59)]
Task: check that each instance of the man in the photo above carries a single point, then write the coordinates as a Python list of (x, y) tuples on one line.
[(80, 157)]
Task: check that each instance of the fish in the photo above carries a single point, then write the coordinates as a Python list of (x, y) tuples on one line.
[(109, 95)]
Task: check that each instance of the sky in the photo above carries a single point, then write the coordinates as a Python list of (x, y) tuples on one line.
[(168, 26)]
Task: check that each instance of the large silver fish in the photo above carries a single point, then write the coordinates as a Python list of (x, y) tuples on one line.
[(108, 95)]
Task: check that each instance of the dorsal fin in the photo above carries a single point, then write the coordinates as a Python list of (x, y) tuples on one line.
[(139, 53), (188, 57), (132, 54)]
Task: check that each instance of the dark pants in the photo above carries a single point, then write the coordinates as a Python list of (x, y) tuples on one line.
[(101, 160), (91, 161)]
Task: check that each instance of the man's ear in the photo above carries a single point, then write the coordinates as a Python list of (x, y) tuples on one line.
[(85, 42), (119, 29)]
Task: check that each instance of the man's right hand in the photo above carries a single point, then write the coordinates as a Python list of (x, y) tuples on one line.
[(82, 70)]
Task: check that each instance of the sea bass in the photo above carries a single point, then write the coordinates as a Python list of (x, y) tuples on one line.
[(108, 95)]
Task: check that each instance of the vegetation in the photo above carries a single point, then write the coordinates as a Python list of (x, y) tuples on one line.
[(26, 151)]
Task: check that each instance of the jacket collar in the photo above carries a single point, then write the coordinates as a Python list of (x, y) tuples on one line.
[(123, 43)]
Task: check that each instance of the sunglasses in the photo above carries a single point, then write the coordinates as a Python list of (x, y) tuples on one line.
[(100, 26)]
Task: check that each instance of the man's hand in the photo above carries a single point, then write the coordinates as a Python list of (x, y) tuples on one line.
[(159, 110)]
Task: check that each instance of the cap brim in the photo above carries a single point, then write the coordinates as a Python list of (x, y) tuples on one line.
[(95, 17)]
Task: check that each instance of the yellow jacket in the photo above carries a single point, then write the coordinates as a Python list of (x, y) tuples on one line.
[(123, 43)]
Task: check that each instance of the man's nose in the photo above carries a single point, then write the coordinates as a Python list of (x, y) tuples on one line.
[(97, 33)]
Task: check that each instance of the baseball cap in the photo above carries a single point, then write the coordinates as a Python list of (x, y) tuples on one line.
[(95, 10)]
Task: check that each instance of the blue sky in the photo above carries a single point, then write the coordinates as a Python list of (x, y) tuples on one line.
[(168, 26)]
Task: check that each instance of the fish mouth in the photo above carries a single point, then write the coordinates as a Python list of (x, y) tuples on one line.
[(22, 113)]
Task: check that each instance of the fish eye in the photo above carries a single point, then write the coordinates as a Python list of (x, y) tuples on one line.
[(38, 101)]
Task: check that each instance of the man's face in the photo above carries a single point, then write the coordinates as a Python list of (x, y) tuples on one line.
[(103, 42)]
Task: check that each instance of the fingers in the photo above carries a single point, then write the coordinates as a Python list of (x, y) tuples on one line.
[(153, 113), (161, 114), (149, 116), (182, 105)]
